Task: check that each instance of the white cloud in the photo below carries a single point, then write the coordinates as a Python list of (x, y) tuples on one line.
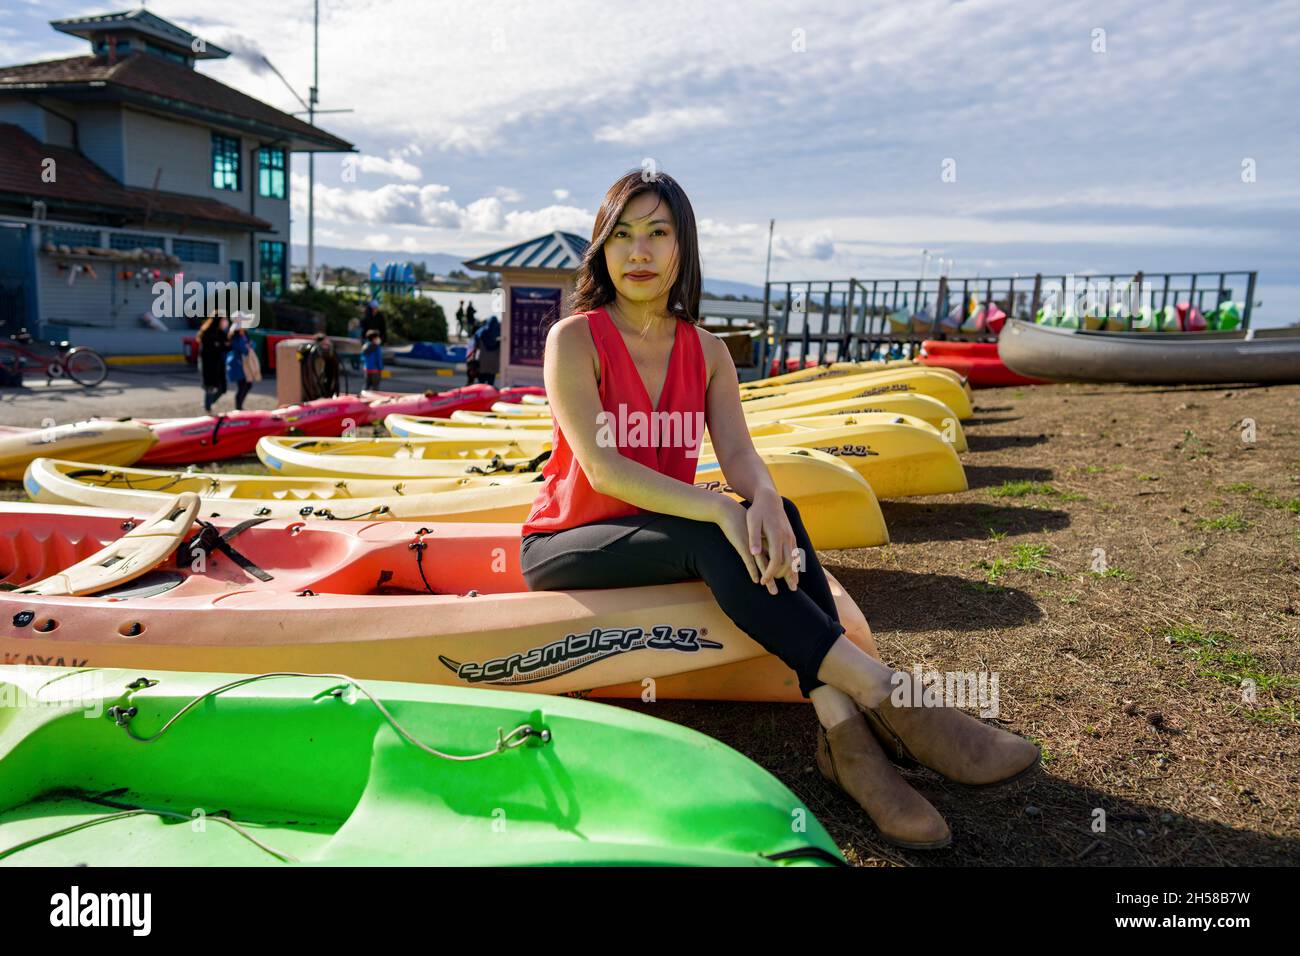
[(560, 194), (662, 125)]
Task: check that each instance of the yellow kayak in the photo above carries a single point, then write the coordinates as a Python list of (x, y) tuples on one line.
[(899, 456), (914, 404), (837, 505), (103, 440)]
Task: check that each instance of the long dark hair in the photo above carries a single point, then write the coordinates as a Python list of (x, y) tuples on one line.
[(594, 285)]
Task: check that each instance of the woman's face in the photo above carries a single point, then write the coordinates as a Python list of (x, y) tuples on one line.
[(644, 241)]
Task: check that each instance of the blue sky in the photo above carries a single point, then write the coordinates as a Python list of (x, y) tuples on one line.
[(1093, 136)]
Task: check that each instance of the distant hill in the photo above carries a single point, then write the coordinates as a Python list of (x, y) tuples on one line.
[(441, 263)]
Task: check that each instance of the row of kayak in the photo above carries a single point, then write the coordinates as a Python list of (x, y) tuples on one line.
[(211, 639), (230, 435)]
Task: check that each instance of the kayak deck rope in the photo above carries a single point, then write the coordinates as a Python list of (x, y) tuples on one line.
[(280, 855), (516, 737)]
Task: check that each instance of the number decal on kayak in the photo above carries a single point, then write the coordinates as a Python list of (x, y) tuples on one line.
[(860, 451), (574, 651)]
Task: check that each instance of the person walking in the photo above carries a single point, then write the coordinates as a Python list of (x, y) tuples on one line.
[(242, 366), (213, 345), (372, 359), (460, 320), (486, 344), (629, 514), (471, 323)]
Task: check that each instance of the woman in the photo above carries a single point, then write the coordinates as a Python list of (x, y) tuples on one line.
[(213, 346), (625, 515), (236, 364)]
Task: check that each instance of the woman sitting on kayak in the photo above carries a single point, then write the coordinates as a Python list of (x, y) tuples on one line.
[(625, 515)]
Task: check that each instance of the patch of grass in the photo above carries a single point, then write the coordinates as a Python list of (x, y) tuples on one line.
[(1023, 557), (1228, 522), (996, 534), (1217, 656), (1238, 487), (1148, 477), (1071, 600), (1073, 496), (1094, 469), (1019, 489), (1284, 713), (980, 587), (1119, 573)]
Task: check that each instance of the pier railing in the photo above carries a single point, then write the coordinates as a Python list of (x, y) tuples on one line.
[(831, 320)]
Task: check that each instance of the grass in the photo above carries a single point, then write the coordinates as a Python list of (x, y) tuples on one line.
[(1118, 573), (1023, 557), (1019, 489), (1228, 522), (1218, 655)]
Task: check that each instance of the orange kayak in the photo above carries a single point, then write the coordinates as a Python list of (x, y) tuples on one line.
[(386, 600)]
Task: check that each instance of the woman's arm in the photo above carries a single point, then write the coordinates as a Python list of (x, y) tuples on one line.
[(569, 371), (729, 432)]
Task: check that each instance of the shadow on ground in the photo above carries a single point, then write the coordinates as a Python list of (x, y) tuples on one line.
[(912, 522)]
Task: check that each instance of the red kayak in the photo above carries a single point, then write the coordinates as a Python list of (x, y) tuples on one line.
[(474, 398), (326, 417), (182, 441), (978, 361)]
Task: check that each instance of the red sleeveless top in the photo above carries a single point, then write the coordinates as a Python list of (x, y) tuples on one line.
[(666, 438)]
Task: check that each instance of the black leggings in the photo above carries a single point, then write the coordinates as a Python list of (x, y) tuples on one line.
[(650, 548)]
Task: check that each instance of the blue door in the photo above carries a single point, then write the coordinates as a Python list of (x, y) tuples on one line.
[(236, 270), (17, 279)]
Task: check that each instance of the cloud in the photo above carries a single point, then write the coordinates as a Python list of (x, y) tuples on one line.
[(662, 125)]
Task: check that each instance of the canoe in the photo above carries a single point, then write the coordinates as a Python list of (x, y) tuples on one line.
[(100, 440), (838, 506), (914, 404), (547, 782), (1257, 355), (431, 603), (899, 457), (978, 362), (209, 437)]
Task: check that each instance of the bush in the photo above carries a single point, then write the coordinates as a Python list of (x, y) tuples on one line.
[(414, 319), (339, 307)]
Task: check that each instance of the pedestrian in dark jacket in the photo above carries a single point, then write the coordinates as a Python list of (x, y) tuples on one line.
[(213, 345)]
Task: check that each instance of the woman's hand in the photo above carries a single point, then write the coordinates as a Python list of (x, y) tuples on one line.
[(747, 528), (771, 536)]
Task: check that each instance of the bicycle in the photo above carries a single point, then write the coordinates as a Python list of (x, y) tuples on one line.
[(21, 353)]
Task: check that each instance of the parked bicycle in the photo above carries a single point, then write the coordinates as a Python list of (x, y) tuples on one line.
[(20, 353)]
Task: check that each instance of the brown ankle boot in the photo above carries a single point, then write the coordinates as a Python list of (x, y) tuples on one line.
[(850, 757), (951, 742)]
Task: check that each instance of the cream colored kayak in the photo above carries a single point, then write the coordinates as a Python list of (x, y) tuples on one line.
[(826, 371), (928, 409), (838, 506), (898, 456), (100, 440)]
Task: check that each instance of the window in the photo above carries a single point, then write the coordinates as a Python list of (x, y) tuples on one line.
[(270, 172), (271, 267), (126, 241), (225, 162), (195, 250), (68, 236)]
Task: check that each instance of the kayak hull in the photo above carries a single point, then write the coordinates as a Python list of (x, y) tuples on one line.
[(182, 441), (78, 791), (439, 604), (978, 362), (106, 441), (1175, 359)]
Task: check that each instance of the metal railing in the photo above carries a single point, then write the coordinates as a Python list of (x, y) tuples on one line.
[(833, 320)]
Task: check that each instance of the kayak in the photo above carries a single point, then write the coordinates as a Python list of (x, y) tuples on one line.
[(472, 397), (1174, 358), (838, 506), (417, 776), (812, 372), (100, 440), (898, 456), (209, 437), (940, 383), (914, 404), (432, 603), (978, 362), (326, 416)]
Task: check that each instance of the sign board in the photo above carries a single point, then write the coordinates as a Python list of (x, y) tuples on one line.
[(532, 309)]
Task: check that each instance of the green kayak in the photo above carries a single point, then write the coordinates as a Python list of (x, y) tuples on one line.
[(119, 768)]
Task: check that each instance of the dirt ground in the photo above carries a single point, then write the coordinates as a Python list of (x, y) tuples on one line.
[(1127, 561)]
